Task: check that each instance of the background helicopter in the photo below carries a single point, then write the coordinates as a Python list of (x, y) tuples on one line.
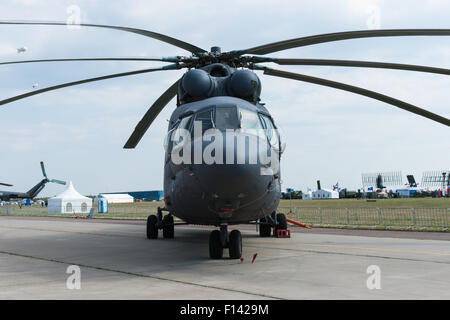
[(211, 62), (33, 192)]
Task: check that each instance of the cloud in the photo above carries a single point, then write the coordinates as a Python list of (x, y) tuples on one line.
[(331, 134), (7, 50)]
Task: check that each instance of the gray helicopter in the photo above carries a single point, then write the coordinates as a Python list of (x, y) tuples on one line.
[(33, 192), (218, 102)]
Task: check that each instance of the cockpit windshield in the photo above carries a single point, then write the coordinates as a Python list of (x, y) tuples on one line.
[(271, 131), (207, 119), (227, 118), (249, 120)]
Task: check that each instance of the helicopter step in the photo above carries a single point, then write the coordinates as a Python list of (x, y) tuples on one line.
[(277, 222), (157, 222), (220, 239)]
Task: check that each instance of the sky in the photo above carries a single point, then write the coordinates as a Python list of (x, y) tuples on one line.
[(331, 135)]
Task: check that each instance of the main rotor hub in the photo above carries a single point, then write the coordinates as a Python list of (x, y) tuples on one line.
[(216, 51)]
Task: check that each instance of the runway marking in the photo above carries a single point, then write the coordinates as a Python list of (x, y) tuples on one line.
[(141, 275)]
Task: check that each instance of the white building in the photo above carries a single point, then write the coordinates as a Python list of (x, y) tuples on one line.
[(325, 194), (115, 198), (407, 192), (69, 201), (307, 195)]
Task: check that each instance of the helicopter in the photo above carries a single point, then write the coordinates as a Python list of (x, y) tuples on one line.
[(33, 192), (220, 94)]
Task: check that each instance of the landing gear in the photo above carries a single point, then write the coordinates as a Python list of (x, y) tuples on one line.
[(281, 223), (265, 228), (215, 245), (218, 240), (235, 244), (273, 221), (168, 227), (156, 222), (152, 228)]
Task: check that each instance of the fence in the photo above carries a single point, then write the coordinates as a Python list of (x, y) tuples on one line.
[(371, 216), (352, 216)]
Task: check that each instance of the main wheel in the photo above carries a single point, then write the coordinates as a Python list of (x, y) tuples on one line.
[(152, 229), (235, 244), (264, 229), (215, 245), (281, 222), (168, 228)]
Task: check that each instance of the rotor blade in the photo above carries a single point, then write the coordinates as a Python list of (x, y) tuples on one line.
[(330, 37), (91, 59), (69, 84), (352, 63), (357, 90), (58, 181), (150, 115), (181, 44), (6, 184), (43, 169)]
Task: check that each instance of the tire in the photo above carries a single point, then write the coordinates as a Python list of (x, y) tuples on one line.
[(169, 228), (152, 229), (215, 245), (264, 229), (282, 222), (235, 244)]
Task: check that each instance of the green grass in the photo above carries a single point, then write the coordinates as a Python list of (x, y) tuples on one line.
[(410, 214), (378, 203)]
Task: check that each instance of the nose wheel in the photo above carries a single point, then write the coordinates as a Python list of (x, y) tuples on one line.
[(219, 239)]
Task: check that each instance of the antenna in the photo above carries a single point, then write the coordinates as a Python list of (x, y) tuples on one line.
[(411, 181), (382, 180), (437, 178)]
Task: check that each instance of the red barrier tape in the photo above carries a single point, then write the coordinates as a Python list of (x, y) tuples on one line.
[(298, 223)]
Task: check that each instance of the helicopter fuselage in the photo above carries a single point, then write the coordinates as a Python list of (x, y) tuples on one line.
[(230, 189)]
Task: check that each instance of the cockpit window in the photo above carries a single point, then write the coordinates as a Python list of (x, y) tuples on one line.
[(185, 123), (207, 119), (227, 118), (249, 120), (167, 141), (271, 131)]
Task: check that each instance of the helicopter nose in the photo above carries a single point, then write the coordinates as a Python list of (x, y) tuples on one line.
[(237, 181)]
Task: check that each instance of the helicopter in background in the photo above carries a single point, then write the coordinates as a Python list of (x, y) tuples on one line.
[(33, 192), (220, 93)]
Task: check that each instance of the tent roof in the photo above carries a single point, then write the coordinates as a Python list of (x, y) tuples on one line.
[(327, 190), (70, 193)]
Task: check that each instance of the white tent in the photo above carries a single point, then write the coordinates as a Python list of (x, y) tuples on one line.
[(69, 201), (325, 194), (307, 195)]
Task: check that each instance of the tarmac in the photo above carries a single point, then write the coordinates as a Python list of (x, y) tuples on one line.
[(117, 261)]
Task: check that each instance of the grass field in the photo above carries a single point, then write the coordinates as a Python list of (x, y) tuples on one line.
[(413, 213), (378, 203)]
